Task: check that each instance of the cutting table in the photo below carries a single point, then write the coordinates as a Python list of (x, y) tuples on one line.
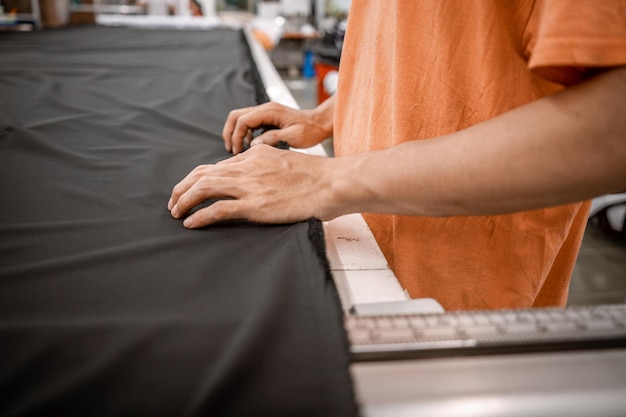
[(557, 383)]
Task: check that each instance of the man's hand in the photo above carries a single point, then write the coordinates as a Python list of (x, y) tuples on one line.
[(263, 185), (299, 128)]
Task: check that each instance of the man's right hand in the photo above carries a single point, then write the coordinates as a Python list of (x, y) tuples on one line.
[(299, 128)]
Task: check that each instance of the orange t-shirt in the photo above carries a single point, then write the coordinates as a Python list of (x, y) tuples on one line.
[(420, 69)]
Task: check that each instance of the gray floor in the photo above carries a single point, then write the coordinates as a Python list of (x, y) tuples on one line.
[(600, 273)]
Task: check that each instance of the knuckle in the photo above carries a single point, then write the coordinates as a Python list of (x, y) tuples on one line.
[(271, 136), (221, 210), (241, 128), (177, 190), (272, 105), (200, 218), (183, 201), (204, 182), (233, 113), (218, 209), (196, 171)]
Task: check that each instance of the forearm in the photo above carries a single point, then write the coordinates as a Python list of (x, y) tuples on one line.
[(323, 116), (563, 148)]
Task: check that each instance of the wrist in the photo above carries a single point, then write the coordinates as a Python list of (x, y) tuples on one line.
[(348, 188), (322, 116)]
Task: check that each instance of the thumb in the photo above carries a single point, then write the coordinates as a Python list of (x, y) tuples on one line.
[(273, 137)]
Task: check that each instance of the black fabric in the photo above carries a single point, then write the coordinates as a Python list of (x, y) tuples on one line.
[(108, 306)]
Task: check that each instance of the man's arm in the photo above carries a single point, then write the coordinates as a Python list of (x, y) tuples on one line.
[(563, 148), (566, 147)]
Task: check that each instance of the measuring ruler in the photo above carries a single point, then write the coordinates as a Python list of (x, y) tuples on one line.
[(413, 336)]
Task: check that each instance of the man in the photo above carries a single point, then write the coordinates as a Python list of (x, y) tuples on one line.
[(486, 114)]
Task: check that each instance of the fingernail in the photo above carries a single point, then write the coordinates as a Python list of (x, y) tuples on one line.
[(188, 223), (256, 142), (174, 211), (169, 204)]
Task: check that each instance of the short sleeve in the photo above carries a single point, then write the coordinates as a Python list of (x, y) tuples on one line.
[(568, 39)]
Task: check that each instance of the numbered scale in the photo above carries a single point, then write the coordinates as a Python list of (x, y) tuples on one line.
[(414, 336)]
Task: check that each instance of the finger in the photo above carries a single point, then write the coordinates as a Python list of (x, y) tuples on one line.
[(201, 170), (182, 187), (273, 136), (216, 212), (206, 187), (229, 126), (248, 122), (235, 158), (238, 145), (186, 183)]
